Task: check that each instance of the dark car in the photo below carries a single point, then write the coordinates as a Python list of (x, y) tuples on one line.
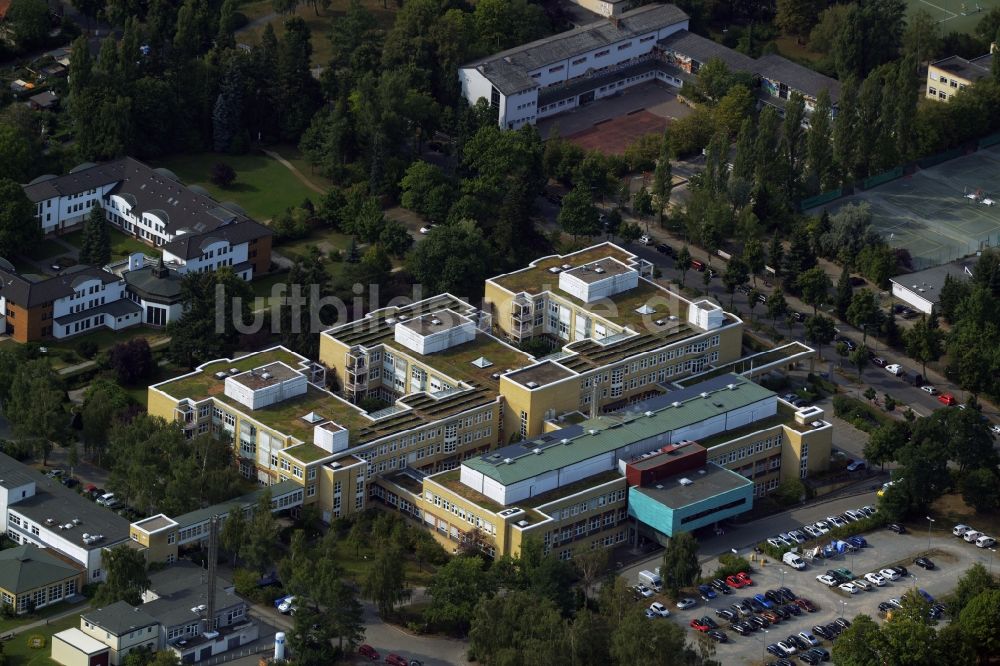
[(822, 631), (721, 586), (797, 642), (786, 594), (761, 298), (707, 592), (663, 248), (709, 621), (843, 623), (879, 361), (758, 621), (924, 562), (725, 614), (809, 658), (901, 570), (773, 595), (781, 612), (834, 629), (885, 608), (822, 653), (800, 317), (718, 636), (897, 528), (792, 609), (741, 628), (846, 341), (70, 482), (756, 605), (775, 650)]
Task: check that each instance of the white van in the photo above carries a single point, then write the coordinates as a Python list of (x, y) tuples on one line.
[(960, 530), (793, 560), (986, 542), (107, 499), (972, 535), (651, 579)]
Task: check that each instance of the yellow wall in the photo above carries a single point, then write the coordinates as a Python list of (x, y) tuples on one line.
[(157, 547)]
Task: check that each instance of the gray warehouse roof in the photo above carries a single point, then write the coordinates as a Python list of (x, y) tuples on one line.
[(927, 283), (119, 618), (508, 70)]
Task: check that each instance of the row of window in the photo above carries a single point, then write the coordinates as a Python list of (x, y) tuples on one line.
[(746, 451)]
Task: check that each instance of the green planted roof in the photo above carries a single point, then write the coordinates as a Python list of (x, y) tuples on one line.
[(605, 434)]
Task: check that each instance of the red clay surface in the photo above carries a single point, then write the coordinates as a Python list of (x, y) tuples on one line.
[(611, 137)]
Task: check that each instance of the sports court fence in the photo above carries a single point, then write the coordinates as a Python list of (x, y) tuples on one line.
[(879, 179), (820, 199), (990, 140), (953, 252), (934, 160)]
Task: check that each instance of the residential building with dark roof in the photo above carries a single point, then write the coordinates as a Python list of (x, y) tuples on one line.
[(195, 232), (651, 43), (32, 577), (76, 300), (40, 511), (949, 76)]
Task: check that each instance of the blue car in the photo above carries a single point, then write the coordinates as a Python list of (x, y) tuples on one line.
[(763, 601), (927, 597), (707, 592), (858, 541)]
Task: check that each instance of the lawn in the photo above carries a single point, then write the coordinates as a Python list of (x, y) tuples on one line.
[(325, 239), (6, 624), (298, 160), (790, 48), (122, 245), (356, 564), (263, 187), (46, 249), (19, 654)]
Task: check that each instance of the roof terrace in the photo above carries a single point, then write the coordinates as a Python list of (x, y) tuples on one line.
[(202, 383), (536, 277)]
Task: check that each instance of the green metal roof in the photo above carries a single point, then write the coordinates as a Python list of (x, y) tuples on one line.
[(243, 501), (28, 567), (615, 431)]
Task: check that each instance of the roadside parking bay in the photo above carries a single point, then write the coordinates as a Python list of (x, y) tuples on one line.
[(951, 555)]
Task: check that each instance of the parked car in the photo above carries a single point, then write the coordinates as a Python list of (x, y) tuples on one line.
[(947, 399), (875, 579), (697, 265), (972, 535), (707, 592), (960, 529), (663, 248), (698, 625), (855, 466), (821, 630), (927, 388), (368, 652), (725, 614), (287, 606), (808, 638), (894, 369), (659, 609), (745, 578), (741, 628), (721, 586), (896, 527), (924, 562), (879, 361), (986, 542), (889, 574), (718, 636), (685, 603), (644, 591), (645, 239), (827, 580), (771, 616), (821, 653), (426, 229), (806, 605), (396, 660), (809, 657), (850, 588), (800, 317), (788, 650)]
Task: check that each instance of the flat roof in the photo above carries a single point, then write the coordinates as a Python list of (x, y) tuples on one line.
[(243, 501), (541, 374), (266, 375), (435, 322), (202, 383), (673, 454), (181, 587), (608, 433), (155, 523), (970, 70), (928, 282), (710, 481), (81, 641), (119, 618), (599, 270), (307, 452)]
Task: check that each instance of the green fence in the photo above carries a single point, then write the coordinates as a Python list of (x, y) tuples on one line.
[(876, 180), (990, 140), (820, 199), (934, 160)]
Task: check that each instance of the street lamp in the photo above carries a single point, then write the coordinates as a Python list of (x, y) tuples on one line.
[(763, 643), (930, 521), (782, 571), (844, 611)]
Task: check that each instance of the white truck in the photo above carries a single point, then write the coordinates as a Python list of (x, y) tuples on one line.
[(651, 579), (793, 560)]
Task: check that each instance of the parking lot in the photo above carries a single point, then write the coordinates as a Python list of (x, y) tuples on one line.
[(951, 555)]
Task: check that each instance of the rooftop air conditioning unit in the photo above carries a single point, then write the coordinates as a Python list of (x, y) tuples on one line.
[(265, 375), (495, 375), (49, 521), (523, 523), (234, 371), (335, 465), (68, 526), (686, 481), (390, 320), (566, 267), (76, 521), (536, 450), (659, 486), (509, 461), (650, 413), (676, 404), (555, 269), (598, 270), (704, 395), (659, 322), (592, 431), (221, 375), (731, 387), (566, 441), (436, 321)]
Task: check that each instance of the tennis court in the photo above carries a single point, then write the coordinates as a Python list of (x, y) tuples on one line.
[(930, 214), (613, 136), (954, 15)]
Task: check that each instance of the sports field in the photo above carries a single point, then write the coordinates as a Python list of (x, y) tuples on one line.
[(613, 136), (930, 214), (954, 15)]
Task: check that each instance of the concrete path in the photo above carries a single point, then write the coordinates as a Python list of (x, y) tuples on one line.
[(68, 611)]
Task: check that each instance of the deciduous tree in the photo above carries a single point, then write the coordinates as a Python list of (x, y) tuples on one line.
[(125, 576)]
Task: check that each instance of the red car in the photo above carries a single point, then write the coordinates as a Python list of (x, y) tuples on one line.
[(699, 625), (806, 605), (947, 399), (396, 660), (368, 652), (745, 578), (733, 581)]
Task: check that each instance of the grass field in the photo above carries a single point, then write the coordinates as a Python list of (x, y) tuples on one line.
[(122, 244), (18, 653), (954, 15), (263, 187), (319, 26)]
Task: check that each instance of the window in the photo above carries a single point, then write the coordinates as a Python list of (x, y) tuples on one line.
[(932, 91), (601, 54), (557, 68), (580, 61), (622, 47)]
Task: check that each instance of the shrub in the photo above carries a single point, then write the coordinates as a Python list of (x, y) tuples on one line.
[(87, 349), (730, 564), (222, 174)]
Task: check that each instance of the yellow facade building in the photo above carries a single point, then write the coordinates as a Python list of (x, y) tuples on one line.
[(452, 387), (948, 77)]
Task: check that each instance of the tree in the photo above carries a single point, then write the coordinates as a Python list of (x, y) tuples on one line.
[(884, 443), (456, 258), (981, 489), (578, 216), (859, 358), (663, 182), (103, 402), (228, 110), (814, 285), (234, 531), (385, 581), (923, 343), (953, 292), (222, 174), (132, 361), (683, 262), (215, 304), (980, 622), (844, 293), (714, 79), (30, 21), (298, 89), (753, 257), (680, 562), (261, 535), (18, 228), (636, 640), (95, 248), (125, 576), (864, 312), (590, 565), (860, 644), (777, 306), (16, 153), (427, 191), (820, 331), (972, 582), (519, 623), (735, 275), (455, 590), (36, 407), (922, 37), (797, 17), (820, 173)]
